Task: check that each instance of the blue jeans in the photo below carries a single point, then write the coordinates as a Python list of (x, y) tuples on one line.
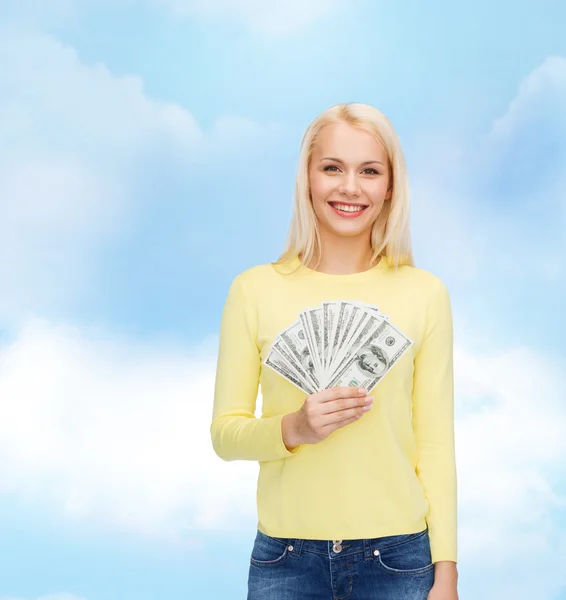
[(394, 567)]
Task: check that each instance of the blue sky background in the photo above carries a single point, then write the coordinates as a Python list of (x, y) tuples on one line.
[(147, 155)]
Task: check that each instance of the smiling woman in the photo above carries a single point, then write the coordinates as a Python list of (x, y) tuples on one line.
[(356, 494)]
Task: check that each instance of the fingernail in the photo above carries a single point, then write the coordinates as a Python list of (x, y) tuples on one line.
[(370, 399), (362, 390)]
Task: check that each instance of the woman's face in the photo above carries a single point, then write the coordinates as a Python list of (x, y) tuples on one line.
[(337, 174)]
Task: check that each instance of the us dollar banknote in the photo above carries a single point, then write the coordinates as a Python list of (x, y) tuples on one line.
[(339, 343)]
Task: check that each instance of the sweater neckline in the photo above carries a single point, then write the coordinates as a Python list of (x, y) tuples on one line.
[(360, 276)]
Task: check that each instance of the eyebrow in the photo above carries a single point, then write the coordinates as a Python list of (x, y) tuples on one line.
[(367, 162)]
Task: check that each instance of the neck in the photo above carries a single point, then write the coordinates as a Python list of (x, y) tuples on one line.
[(344, 255)]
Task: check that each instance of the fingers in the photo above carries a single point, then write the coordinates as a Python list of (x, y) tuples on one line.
[(342, 399), (336, 393), (333, 408)]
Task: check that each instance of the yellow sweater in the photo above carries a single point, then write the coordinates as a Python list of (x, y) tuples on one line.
[(391, 472)]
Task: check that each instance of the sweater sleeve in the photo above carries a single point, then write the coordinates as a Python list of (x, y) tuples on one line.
[(433, 425), (235, 431)]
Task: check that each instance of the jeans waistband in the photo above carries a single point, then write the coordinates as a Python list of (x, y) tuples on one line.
[(347, 547)]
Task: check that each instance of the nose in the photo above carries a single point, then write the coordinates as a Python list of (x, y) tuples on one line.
[(349, 185)]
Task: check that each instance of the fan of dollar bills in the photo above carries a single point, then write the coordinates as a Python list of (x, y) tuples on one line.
[(339, 343)]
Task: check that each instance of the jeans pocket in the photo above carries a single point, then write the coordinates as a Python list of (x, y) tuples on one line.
[(268, 551), (408, 556)]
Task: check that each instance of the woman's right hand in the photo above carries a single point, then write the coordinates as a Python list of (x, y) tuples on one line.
[(326, 411)]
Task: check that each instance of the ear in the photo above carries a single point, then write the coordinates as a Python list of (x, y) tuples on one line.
[(389, 194)]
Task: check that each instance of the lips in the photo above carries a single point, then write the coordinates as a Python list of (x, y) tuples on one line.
[(353, 213), (348, 204)]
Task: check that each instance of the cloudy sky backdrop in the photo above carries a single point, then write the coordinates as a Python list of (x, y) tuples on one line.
[(147, 155)]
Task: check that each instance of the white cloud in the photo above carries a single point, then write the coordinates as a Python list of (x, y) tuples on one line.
[(527, 147), (71, 136), (498, 201), (541, 95), (113, 431), (51, 92), (510, 452), (268, 17)]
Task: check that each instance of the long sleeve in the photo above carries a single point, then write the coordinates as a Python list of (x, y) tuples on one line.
[(433, 424), (235, 431)]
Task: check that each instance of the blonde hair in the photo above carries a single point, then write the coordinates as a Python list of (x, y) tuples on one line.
[(390, 233)]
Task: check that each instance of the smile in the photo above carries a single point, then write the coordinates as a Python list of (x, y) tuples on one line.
[(348, 210)]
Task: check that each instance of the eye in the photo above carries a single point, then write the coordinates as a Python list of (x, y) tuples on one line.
[(373, 171)]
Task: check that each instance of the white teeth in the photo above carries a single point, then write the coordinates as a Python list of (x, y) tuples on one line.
[(344, 208)]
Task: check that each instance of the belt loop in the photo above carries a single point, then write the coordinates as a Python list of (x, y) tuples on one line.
[(368, 549), (297, 544)]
